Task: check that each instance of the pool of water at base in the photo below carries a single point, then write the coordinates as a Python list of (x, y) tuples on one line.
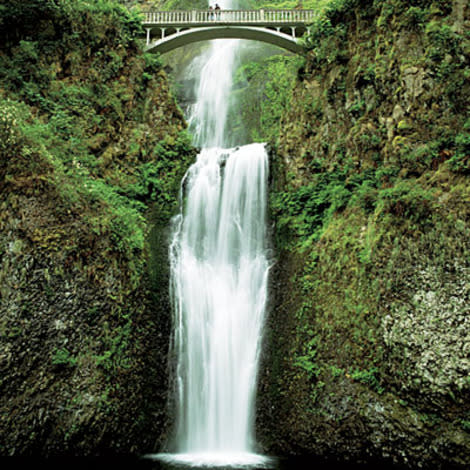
[(134, 463)]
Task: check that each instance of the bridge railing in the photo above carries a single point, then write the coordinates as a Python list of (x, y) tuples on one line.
[(229, 16)]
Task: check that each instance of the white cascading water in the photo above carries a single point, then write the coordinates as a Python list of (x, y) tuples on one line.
[(219, 273)]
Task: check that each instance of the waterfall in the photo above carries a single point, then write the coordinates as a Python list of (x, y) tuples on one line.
[(219, 272), (219, 283)]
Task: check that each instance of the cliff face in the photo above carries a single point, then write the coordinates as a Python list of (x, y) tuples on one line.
[(366, 354), (92, 151)]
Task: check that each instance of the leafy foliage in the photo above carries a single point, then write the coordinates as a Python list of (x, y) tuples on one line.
[(62, 357), (372, 184), (92, 147), (263, 91), (288, 4), (369, 378), (85, 86), (185, 5)]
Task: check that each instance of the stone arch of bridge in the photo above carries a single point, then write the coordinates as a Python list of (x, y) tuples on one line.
[(189, 36)]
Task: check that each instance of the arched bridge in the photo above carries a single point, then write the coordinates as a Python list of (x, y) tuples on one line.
[(168, 30)]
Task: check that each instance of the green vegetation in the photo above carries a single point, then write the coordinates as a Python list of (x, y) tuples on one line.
[(62, 357), (263, 89), (370, 202), (263, 85), (182, 4), (369, 378), (92, 151), (69, 95), (466, 425), (288, 4), (307, 361)]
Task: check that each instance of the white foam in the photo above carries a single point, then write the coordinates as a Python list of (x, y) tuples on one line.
[(216, 459)]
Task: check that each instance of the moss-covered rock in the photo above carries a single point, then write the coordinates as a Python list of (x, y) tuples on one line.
[(366, 353), (93, 150)]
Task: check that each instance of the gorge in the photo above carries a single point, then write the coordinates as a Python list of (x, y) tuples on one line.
[(366, 344)]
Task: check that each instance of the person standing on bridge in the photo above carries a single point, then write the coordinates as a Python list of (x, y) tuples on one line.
[(211, 12), (217, 10)]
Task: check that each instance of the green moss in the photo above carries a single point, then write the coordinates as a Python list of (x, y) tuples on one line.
[(370, 199), (110, 186), (369, 378), (92, 151), (62, 357), (263, 90)]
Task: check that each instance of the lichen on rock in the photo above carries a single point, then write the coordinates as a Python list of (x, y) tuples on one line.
[(367, 346)]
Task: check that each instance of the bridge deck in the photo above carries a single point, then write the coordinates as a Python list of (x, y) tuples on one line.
[(229, 17)]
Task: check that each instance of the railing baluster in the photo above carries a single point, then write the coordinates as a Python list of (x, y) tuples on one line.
[(272, 17)]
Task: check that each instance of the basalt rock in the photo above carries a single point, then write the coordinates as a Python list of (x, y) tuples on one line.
[(366, 349)]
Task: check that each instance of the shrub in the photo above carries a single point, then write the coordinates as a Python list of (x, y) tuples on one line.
[(460, 162), (62, 357), (415, 18), (9, 128), (406, 199)]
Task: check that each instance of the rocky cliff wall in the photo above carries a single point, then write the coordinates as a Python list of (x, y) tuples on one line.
[(92, 151), (366, 353)]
